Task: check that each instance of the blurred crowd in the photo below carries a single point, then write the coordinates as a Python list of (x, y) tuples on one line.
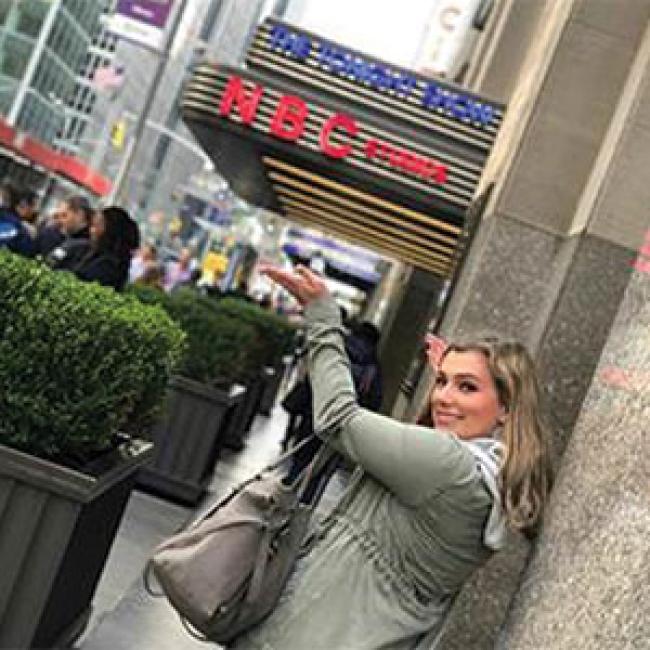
[(101, 245), (96, 245)]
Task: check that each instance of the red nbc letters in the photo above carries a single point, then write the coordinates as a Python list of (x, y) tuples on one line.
[(236, 93), (288, 122), (338, 120)]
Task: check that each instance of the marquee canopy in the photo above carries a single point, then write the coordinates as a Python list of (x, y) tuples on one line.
[(343, 142)]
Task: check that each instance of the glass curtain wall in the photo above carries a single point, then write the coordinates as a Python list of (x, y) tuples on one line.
[(43, 112)]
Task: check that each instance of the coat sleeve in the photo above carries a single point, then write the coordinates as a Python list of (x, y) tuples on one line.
[(411, 461)]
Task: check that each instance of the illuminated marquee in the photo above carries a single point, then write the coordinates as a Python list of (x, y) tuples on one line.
[(342, 62), (291, 115)]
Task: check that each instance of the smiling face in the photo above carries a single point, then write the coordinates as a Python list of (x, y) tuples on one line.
[(464, 399)]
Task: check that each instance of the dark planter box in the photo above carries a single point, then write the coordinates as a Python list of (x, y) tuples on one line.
[(244, 415), (274, 379), (57, 526), (188, 439)]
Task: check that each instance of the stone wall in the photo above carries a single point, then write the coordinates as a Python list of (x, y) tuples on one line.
[(587, 585), (549, 266)]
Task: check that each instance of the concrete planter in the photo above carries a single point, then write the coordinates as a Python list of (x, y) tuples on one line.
[(243, 417), (56, 528), (188, 439), (274, 378)]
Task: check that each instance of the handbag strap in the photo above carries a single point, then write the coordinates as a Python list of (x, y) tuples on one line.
[(324, 455), (146, 580), (287, 454), (239, 487)]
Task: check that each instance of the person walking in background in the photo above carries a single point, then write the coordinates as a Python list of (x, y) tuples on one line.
[(180, 271), (427, 505), (145, 258), (27, 210), (153, 276), (361, 348), (14, 234), (71, 224)]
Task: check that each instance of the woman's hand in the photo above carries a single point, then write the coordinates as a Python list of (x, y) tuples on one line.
[(303, 284), (436, 347)]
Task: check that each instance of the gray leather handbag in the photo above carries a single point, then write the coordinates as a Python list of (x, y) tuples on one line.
[(226, 571)]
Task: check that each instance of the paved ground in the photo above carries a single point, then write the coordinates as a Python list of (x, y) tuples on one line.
[(125, 617)]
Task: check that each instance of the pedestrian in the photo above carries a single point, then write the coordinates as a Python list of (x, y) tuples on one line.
[(361, 349), (14, 234), (427, 507), (141, 263), (70, 223), (153, 276), (180, 271), (106, 257), (27, 209)]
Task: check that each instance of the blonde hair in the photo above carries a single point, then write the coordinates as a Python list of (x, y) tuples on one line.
[(526, 474)]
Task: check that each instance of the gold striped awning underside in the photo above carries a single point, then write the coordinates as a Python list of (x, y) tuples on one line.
[(384, 226), (415, 223)]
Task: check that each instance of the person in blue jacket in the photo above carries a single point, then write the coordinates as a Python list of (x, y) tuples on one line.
[(13, 234)]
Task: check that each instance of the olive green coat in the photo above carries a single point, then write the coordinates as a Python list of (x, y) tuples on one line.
[(419, 519)]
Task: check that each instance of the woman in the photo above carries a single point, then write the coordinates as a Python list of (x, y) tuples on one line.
[(107, 257), (429, 507)]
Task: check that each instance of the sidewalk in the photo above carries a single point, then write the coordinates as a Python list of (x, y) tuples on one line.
[(124, 616)]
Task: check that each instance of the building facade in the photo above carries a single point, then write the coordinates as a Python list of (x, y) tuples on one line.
[(167, 155), (43, 45), (100, 55), (42, 49), (551, 262)]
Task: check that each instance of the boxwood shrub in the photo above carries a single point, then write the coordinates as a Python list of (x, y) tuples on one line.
[(219, 350), (78, 362), (275, 333)]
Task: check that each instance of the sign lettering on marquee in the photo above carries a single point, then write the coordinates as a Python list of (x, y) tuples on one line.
[(289, 120), (339, 61), (246, 104), (347, 124)]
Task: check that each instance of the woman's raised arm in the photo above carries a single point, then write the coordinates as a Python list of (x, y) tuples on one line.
[(412, 462)]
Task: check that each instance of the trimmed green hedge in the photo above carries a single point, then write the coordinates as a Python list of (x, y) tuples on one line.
[(219, 349), (276, 334), (78, 362)]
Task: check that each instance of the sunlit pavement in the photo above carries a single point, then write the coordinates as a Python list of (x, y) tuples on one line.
[(125, 617)]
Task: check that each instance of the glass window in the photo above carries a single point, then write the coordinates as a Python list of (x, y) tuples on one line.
[(35, 118), (91, 104), (7, 93), (5, 8), (31, 15), (14, 55), (52, 77)]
